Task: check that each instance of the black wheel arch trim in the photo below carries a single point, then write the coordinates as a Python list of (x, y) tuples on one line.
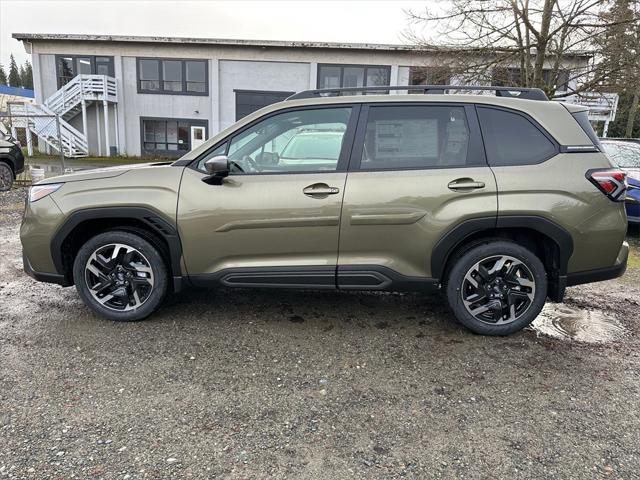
[(152, 219), (457, 235)]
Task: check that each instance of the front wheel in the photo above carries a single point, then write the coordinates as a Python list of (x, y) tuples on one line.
[(120, 276), (497, 288), (6, 177)]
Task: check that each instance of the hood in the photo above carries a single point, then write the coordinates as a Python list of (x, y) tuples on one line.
[(100, 173), (4, 143)]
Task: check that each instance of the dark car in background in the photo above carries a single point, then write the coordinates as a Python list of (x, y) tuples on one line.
[(11, 161), (625, 153)]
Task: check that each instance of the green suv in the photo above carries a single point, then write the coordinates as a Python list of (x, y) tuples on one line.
[(499, 201)]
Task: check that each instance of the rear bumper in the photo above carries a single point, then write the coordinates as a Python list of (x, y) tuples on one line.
[(43, 276), (601, 274)]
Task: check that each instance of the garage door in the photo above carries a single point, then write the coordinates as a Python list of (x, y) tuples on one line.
[(248, 101)]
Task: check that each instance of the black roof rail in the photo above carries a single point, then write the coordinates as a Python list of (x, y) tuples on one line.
[(511, 92)]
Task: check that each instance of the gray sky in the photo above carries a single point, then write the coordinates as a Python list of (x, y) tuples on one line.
[(346, 21)]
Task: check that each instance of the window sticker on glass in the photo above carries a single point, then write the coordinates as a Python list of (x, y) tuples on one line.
[(415, 138)]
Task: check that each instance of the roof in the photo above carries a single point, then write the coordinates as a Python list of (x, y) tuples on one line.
[(16, 91), (211, 41), (75, 37)]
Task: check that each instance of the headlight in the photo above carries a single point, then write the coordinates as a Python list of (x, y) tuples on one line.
[(40, 191)]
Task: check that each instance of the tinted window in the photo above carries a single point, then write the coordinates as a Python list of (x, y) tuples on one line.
[(299, 141), (415, 137), (511, 139)]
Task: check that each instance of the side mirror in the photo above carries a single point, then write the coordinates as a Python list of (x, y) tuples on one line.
[(217, 168)]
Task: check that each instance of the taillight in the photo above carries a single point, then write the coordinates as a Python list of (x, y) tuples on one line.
[(611, 182)]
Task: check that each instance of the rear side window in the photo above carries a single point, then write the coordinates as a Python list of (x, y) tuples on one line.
[(512, 139), (415, 137), (583, 120)]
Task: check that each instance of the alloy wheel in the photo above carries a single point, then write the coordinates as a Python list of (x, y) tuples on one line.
[(119, 277), (498, 289)]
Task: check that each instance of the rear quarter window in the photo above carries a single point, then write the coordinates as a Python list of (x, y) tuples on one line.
[(583, 120), (512, 139)]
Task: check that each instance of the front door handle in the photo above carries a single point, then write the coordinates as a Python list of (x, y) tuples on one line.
[(465, 184), (320, 190)]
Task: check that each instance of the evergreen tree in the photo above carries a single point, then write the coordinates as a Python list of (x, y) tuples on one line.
[(3, 76), (27, 78), (14, 74)]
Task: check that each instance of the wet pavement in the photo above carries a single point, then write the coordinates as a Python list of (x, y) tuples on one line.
[(257, 384)]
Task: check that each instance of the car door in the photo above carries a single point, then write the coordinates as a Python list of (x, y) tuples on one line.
[(274, 220), (417, 170)]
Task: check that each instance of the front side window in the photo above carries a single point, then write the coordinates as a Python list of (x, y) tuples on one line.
[(298, 141), (415, 137), (186, 77), (343, 76), (511, 139)]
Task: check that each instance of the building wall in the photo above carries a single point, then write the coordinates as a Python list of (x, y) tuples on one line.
[(255, 75), (230, 68)]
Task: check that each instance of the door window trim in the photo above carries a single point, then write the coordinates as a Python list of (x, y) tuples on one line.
[(475, 147), (533, 121), (345, 151)]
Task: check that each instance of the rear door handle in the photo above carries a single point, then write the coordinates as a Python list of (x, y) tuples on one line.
[(320, 190), (462, 184)]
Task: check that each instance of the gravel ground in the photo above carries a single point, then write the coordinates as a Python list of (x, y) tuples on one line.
[(256, 384)]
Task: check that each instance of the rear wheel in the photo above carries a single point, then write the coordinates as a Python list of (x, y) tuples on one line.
[(497, 288), (120, 276), (6, 177)]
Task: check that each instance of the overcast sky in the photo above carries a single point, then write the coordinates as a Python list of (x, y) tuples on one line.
[(346, 21)]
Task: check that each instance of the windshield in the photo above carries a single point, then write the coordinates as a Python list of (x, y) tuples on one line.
[(623, 154)]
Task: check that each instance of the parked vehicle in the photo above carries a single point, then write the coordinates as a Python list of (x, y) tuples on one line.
[(625, 153), (497, 201), (11, 162)]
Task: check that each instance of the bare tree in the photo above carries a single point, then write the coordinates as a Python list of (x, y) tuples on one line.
[(530, 43)]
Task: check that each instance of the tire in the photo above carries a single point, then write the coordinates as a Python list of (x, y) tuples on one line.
[(126, 288), (6, 177), (496, 288)]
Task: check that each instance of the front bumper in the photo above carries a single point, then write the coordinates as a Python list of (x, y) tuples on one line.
[(42, 276), (601, 274)]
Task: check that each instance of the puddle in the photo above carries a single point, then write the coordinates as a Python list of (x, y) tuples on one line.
[(579, 325)]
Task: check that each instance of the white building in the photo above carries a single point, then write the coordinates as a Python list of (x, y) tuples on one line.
[(162, 96)]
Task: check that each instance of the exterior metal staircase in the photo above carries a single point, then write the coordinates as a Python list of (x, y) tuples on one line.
[(69, 101)]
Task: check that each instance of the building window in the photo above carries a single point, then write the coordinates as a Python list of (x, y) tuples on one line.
[(68, 66), (429, 76), (181, 77), (169, 137), (512, 77), (344, 76)]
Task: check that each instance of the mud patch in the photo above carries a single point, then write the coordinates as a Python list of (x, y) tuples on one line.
[(565, 322)]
